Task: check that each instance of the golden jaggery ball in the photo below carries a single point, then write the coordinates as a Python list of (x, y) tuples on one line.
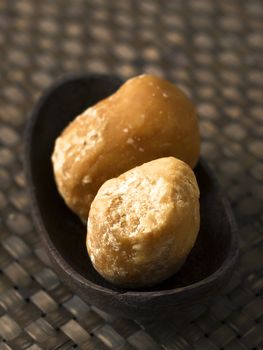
[(143, 224), (146, 119)]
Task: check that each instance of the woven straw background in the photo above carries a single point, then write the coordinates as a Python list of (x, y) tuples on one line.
[(213, 50)]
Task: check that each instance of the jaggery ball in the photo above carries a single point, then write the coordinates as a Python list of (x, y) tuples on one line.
[(146, 119), (143, 224)]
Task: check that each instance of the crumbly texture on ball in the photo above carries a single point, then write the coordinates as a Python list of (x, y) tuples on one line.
[(143, 224), (146, 119)]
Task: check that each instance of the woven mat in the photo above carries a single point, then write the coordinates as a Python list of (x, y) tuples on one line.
[(213, 50)]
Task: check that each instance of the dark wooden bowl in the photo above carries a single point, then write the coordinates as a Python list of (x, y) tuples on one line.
[(208, 266)]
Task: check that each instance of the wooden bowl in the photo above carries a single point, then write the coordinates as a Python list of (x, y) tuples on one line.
[(209, 265)]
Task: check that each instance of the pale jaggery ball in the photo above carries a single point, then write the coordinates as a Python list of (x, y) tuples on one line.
[(146, 119), (143, 224)]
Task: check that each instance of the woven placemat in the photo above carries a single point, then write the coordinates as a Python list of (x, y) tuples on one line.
[(213, 50)]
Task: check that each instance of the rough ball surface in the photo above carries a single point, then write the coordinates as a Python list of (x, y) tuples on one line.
[(146, 119), (143, 224)]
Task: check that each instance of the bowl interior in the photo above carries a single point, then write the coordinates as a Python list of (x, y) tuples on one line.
[(66, 232)]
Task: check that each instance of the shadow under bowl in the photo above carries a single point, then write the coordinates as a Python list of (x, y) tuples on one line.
[(210, 263)]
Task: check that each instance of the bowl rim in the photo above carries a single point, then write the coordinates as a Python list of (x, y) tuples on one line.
[(55, 255)]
